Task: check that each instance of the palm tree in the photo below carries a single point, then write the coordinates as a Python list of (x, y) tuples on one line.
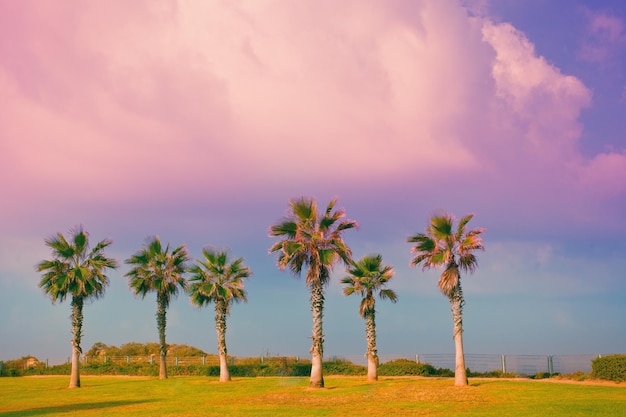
[(156, 269), (441, 245), (314, 241), (219, 280), (77, 270), (368, 277)]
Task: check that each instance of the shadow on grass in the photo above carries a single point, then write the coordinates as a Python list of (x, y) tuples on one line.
[(41, 411)]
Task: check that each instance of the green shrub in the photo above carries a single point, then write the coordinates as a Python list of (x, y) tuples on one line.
[(540, 375), (142, 349), (401, 367), (612, 368), (26, 365), (341, 367), (577, 376)]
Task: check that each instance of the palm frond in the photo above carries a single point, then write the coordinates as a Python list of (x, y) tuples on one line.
[(449, 279), (347, 224), (441, 226), (287, 228), (460, 231), (388, 294), (304, 209)]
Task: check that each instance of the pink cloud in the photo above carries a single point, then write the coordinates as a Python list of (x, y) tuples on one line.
[(605, 36), (140, 96), (544, 102)]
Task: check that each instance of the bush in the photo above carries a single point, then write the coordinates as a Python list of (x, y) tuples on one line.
[(26, 365), (540, 375), (577, 376), (142, 349), (400, 367), (341, 367), (496, 373), (612, 368)]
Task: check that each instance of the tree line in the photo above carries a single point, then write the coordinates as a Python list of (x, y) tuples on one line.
[(308, 239)]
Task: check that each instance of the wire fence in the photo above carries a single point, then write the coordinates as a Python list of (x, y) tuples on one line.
[(517, 364)]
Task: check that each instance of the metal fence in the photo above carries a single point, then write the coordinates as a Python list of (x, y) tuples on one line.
[(518, 364)]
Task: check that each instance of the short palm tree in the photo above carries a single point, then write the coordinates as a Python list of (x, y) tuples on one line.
[(156, 269), (368, 277), (76, 270), (314, 241), (441, 245), (216, 279)]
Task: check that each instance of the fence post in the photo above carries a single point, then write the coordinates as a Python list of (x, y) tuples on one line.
[(203, 360), (105, 359), (261, 360), (176, 362), (297, 360), (417, 358), (46, 364), (127, 359), (550, 366), (86, 359), (503, 360)]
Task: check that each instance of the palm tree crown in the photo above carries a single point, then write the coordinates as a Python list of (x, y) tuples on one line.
[(156, 269), (311, 240), (217, 279), (368, 277), (443, 246), (75, 269)]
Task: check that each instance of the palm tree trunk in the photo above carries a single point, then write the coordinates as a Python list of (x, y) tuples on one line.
[(372, 351), (77, 332), (220, 328), (457, 301), (317, 347), (161, 324)]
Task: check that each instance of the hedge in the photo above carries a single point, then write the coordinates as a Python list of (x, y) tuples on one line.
[(612, 368)]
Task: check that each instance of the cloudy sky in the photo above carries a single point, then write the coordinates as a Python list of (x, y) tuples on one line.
[(198, 120)]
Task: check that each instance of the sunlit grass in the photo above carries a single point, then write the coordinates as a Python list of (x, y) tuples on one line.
[(343, 396)]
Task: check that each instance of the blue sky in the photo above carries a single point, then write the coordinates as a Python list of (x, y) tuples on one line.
[(198, 121)]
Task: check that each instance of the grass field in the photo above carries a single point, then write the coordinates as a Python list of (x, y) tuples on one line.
[(343, 396)]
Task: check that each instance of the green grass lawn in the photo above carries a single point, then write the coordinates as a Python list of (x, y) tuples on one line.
[(343, 396)]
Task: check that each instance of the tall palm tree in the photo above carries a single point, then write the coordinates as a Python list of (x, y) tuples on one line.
[(156, 269), (77, 270), (367, 278), (441, 245), (314, 241), (217, 279)]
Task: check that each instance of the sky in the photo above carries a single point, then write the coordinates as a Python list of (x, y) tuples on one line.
[(197, 121)]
